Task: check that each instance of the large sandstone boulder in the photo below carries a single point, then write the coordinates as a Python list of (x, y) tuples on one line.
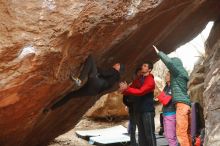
[(196, 88), (42, 42), (212, 88)]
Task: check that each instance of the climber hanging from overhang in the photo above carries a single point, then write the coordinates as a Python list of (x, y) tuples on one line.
[(98, 81)]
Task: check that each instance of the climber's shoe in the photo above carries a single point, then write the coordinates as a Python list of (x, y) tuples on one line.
[(77, 81), (46, 110)]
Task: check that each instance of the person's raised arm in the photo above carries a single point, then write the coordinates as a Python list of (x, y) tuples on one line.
[(167, 61)]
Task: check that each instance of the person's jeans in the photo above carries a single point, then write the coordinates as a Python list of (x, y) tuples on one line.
[(146, 128), (132, 127), (169, 123), (183, 122)]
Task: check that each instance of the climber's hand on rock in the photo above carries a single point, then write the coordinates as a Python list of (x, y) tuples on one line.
[(155, 48)]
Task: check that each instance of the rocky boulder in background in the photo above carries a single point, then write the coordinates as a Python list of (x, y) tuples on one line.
[(196, 88), (108, 106), (212, 88)]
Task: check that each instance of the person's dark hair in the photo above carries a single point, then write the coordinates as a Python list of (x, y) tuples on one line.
[(137, 69), (150, 64)]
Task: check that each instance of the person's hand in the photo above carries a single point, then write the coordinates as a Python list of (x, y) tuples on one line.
[(155, 48), (123, 86)]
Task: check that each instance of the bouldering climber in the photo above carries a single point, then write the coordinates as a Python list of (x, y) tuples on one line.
[(98, 81)]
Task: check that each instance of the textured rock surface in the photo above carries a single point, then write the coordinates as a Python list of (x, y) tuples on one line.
[(212, 88), (43, 41), (109, 105)]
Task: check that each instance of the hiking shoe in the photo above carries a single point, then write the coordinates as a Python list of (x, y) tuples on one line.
[(77, 81)]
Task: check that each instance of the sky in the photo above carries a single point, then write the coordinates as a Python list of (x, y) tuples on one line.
[(189, 53)]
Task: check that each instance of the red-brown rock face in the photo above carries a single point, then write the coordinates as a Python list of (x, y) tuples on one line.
[(43, 41), (212, 87)]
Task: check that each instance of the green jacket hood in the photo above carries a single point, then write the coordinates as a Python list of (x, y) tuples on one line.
[(179, 64)]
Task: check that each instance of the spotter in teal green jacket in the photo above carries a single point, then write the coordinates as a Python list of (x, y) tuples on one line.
[(179, 78)]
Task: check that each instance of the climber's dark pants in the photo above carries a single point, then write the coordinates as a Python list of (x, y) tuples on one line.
[(132, 126), (146, 128), (91, 88), (89, 69)]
